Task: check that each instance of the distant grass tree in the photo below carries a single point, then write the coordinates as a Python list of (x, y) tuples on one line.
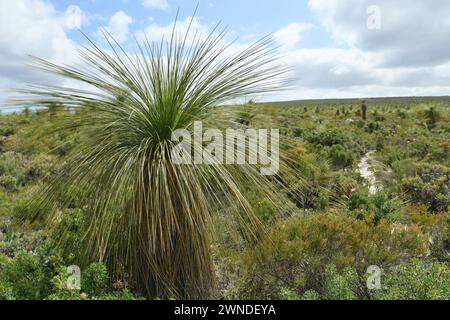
[(364, 110), (148, 218), (245, 114), (433, 116)]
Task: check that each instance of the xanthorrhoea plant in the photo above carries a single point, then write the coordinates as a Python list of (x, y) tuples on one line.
[(148, 217)]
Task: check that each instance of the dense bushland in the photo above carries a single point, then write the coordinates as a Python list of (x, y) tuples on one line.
[(319, 247)]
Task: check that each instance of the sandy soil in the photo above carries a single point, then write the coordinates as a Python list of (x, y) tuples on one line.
[(366, 172)]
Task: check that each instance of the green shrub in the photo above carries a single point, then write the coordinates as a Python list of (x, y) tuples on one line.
[(328, 138), (60, 291), (15, 166), (25, 277), (341, 148), (18, 241), (341, 156), (404, 168), (288, 294), (441, 153), (310, 295), (38, 167), (298, 250), (384, 207), (70, 229), (7, 130), (12, 164), (379, 117), (309, 196), (431, 187), (358, 201), (436, 226), (95, 280), (402, 114), (95, 286), (372, 127), (416, 280), (379, 206), (340, 286), (117, 295), (6, 291), (9, 183), (380, 142)]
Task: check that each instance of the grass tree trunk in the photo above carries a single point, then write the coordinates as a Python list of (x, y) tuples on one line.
[(364, 111), (171, 252)]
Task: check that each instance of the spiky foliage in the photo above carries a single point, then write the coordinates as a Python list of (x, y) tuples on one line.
[(147, 217), (246, 114)]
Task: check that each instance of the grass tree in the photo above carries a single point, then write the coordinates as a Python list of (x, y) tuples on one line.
[(148, 218), (433, 116), (364, 110)]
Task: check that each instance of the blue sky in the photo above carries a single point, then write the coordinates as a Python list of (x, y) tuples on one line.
[(336, 48), (245, 18)]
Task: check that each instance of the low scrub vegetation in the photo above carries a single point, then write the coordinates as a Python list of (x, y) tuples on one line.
[(319, 245)]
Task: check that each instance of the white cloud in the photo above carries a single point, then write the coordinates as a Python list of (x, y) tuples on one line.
[(406, 56), (118, 26), (160, 4), (289, 36), (31, 27), (351, 72), (73, 17), (34, 27), (411, 32), (155, 32)]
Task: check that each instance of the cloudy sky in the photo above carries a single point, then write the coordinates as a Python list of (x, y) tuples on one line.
[(336, 48)]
